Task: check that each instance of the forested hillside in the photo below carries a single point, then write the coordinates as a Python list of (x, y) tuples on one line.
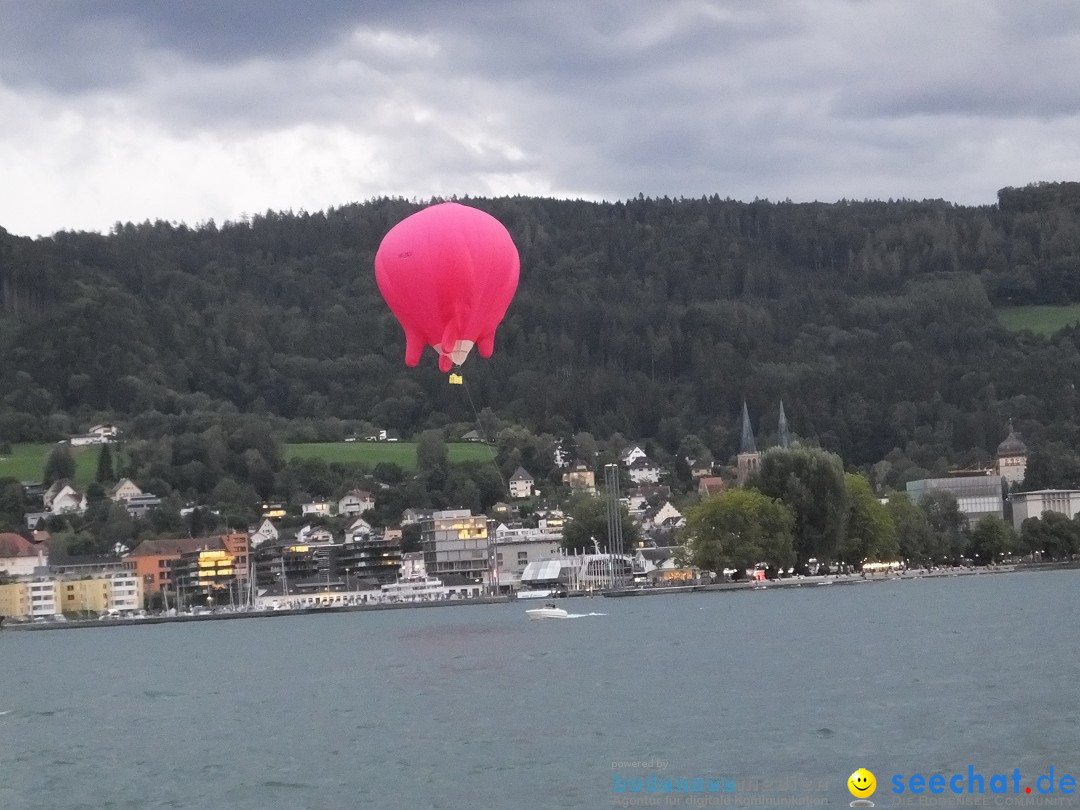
[(653, 318)]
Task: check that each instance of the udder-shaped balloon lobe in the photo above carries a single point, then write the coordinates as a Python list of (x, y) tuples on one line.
[(448, 273)]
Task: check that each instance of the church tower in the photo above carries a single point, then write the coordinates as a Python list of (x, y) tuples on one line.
[(749, 458), (784, 433), (1012, 457)]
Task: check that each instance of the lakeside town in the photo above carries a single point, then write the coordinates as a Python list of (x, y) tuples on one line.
[(459, 555)]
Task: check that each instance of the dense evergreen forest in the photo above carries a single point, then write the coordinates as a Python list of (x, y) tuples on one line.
[(650, 318)]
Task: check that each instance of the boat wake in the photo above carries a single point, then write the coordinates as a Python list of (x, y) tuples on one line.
[(583, 615)]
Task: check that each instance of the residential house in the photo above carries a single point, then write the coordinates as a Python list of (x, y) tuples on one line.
[(411, 515), (651, 491), (98, 434), (381, 436), (320, 508), (699, 469), (521, 484), (68, 501), (356, 502), (472, 436), (314, 535), (273, 511), (631, 454), (580, 478), (644, 470), (141, 505), (19, 557), (710, 485), (358, 528), (50, 494), (33, 489), (124, 489), (33, 518), (266, 531), (667, 516)]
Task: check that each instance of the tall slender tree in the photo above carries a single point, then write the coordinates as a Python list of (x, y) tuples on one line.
[(105, 466)]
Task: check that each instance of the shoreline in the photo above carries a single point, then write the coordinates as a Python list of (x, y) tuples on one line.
[(81, 624), (842, 579), (720, 587)]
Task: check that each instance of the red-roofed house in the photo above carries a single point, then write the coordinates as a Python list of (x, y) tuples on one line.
[(19, 557), (710, 485)]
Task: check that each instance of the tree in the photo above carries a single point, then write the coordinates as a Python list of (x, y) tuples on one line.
[(410, 538), (431, 452), (913, 532), (949, 540), (105, 466), (59, 465), (1053, 536), (991, 539), (869, 531), (12, 505), (740, 528), (587, 520), (811, 483)]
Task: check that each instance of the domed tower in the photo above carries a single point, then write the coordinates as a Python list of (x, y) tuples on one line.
[(1012, 457), (749, 458)]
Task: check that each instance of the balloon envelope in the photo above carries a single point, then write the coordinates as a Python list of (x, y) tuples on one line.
[(448, 273)]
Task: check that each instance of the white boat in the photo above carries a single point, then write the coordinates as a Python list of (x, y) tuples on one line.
[(548, 611)]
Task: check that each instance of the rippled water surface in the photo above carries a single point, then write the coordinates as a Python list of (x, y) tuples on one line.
[(477, 707)]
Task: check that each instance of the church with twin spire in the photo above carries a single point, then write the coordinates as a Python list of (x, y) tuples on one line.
[(749, 459)]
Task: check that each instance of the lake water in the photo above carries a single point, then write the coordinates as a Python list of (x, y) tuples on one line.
[(783, 692)]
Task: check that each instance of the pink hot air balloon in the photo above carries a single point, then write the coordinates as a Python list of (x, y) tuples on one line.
[(448, 273)]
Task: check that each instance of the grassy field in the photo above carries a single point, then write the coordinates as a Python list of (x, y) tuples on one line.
[(27, 462), (371, 453), (1043, 320)]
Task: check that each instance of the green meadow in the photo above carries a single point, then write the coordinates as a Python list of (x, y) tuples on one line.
[(27, 462), (1042, 320), (371, 453)]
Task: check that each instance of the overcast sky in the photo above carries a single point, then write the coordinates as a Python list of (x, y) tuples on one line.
[(127, 110)]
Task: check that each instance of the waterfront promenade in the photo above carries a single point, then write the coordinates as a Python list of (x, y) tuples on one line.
[(719, 587), (223, 615)]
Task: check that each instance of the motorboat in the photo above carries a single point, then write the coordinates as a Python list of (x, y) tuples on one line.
[(548, 611)]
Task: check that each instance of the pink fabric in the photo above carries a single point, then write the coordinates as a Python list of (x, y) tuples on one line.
[(448, 273)]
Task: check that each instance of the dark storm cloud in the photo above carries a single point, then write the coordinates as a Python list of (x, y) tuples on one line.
[(607, 98), (71, 47)]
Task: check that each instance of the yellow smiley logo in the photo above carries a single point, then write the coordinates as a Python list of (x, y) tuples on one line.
[(862, 784)]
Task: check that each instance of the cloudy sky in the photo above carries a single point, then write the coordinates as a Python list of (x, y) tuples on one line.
[(126, 110)]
